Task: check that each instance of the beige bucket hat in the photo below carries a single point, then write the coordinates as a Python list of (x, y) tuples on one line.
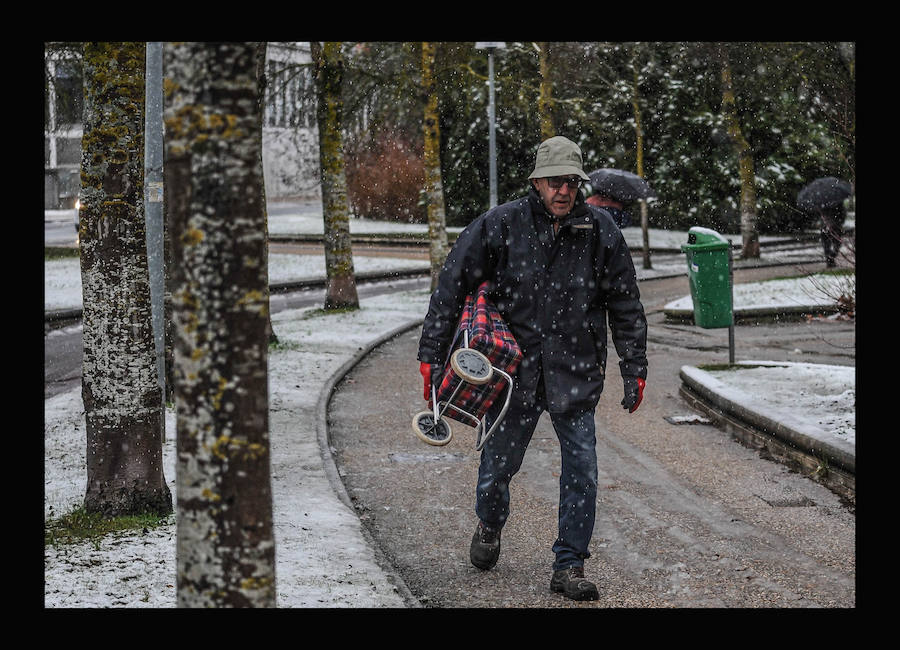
[(558, 156)]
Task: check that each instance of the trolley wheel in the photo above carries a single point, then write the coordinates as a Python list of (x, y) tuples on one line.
[(424, 427), (471, 366)]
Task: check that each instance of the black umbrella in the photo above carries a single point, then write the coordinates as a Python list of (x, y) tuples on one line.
[(620, 185), (824, 192)]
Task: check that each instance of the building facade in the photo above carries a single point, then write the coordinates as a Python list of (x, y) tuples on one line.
[(63, 103), (290, 134), (290, 131)]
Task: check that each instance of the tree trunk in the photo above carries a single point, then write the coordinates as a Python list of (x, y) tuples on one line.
[(225, 549), (639, 136), (545, 98), (434, 192), (121, 392), (340, 292), (749, 232), (261, 82)]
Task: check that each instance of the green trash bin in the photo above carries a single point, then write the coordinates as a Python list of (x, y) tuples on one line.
[(709, 273)]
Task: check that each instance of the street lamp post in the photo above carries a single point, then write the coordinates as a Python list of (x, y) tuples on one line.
[(153, 207), (490, 46)]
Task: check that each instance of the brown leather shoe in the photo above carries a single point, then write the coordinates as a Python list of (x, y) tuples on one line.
[(571, 583)]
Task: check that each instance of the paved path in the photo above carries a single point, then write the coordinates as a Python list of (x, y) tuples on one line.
[(687, 517)]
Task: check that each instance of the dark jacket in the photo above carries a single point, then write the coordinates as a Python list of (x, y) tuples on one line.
[(832, 218), (554, 292)]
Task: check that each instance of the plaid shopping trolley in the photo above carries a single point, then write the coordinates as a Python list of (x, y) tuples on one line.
[(484, 356)]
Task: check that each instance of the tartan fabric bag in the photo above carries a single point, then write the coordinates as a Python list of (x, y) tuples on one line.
[(485, 330)]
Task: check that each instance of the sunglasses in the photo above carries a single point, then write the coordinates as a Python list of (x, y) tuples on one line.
[(557, 182)]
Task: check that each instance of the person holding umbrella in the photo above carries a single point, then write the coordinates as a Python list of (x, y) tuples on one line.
[(615, 208), (832, 231), (825, 197), (612, 188), (560, 273)]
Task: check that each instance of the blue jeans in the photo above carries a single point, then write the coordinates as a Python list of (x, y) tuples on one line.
[(501, 458)]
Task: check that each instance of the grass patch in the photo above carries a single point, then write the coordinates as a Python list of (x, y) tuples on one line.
[(80, 526), (412, 236), (715, 367), (280, 345), (812, 275), (60, 252), (837, 272), (321, 311)]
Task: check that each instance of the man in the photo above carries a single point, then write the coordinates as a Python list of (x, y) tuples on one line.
[(615, 208), (557, 267), (832, 231)]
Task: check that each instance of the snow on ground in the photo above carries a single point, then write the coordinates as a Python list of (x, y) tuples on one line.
[(62, 277), (815, 399), (814, 290), (313, 569), (134, 570)]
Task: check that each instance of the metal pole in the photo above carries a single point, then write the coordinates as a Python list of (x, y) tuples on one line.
[(490, 46), (153, 207), (492, 137), (731, 287)]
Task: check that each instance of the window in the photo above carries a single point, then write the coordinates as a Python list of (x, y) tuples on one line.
[(68, 91), (68, 152), (290, 95)]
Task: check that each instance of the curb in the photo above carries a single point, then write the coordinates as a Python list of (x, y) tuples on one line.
[(55, 318), (331, 470), (753, 314), (829, 464), (361, 278)]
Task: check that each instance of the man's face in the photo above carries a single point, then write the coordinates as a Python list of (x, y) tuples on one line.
[(558, 200)]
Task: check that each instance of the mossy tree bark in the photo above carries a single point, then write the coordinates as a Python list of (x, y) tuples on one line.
[(122, 396), (225, 550), (434, 191), (639, 153), (749, 230), (262, 82), (340, 291), (545, 96)]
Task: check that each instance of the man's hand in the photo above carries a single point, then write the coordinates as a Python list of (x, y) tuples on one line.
[(425, 370), (634, 393)]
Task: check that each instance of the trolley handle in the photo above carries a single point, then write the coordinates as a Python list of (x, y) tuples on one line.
[(509, 390)]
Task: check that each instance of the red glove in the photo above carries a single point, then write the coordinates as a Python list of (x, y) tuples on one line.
[(634, 393), (425, 370)]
